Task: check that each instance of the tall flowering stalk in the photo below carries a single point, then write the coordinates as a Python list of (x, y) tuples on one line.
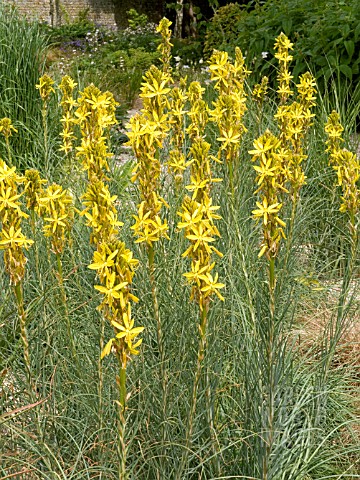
[(294, 120), (270, 181), (113, 262), (283, 47), (115, 268), (7, 129), (334, 131), (57, 210), (347, 167), (230, 105), (45, 87), (95, 114), (147, 133), (165, 45), (68, 120), (177, 120), (198, 216), (13, 242), (259, 94)]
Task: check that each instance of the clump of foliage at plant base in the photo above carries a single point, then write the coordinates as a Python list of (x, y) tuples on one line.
[(186, 314), (326, 33)]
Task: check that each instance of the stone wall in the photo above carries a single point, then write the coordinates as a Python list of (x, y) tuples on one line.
[(59, 12), (109, 13)]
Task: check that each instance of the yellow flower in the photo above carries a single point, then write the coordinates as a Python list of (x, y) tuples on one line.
[(212, 286), (8, 199), (56, 221), (111, 291), (45, 87), (229, 137), (13, 238), (102, 261), (127, 331), (265, 210), (198, 272), (6, 127)]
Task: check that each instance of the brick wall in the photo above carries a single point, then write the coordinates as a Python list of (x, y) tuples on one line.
[(104, 12), (58, 12)]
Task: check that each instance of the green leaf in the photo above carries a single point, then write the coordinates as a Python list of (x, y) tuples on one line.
[(345, 30), (346, 70), (357, 32), (332, 61), (350, 47), (286, 25)]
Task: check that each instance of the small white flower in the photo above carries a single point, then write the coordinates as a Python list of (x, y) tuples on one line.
[(201, 61), (177, 59), (264, 54)]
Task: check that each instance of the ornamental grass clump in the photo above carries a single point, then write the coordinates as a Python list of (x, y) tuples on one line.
[(13, 242)]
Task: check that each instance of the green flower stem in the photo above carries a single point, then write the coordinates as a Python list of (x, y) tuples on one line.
[(8, 149), (45, 127), (290, 234), (160, 340), (199, 365), (121, 381), (33, 230), (269, 437), (66, 310), (24, 336), (231, 177), (101, 380)]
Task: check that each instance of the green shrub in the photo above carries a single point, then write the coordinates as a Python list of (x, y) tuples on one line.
[(136, 19), (223, 28), (120, 70), (70, 31), (326, 34)]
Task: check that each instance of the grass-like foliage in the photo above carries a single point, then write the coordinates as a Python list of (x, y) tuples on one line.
[(219, 341), (23, 54)]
